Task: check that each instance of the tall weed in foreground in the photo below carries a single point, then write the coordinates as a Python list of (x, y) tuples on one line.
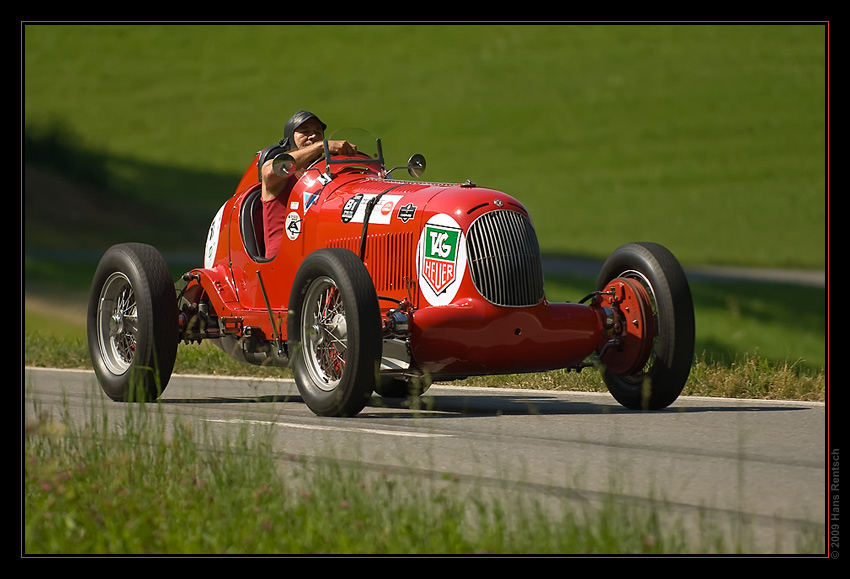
[(145, 486)]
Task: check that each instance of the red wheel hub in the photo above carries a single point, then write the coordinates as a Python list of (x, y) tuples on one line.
[(634, 326)]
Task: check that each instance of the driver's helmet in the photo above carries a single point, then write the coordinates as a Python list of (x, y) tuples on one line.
[(293, 123)]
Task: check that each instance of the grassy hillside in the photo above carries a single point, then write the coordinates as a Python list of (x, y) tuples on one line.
[(709, 139)]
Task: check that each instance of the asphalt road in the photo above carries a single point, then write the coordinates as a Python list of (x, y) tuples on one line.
[(757, 467)]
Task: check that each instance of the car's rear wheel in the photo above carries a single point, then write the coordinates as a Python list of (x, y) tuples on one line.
[(334, 333), (132, 323), (652, 276)]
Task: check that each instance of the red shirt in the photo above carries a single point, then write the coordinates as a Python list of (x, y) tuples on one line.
[(274, 218)]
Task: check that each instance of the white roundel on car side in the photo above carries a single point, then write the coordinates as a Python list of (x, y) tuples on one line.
[(212, 239), (293, 225), (441, 259)]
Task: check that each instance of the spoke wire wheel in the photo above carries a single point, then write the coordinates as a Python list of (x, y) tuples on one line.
[(117, 323), (132, 323), (334, 332), (325, 328)]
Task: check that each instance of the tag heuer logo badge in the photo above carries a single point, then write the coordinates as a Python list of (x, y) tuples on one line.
[(441, 259), (439, 265), (406, 212)]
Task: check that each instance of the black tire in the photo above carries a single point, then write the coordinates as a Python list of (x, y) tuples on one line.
[(334, 333), (132, 323), (660, 381)]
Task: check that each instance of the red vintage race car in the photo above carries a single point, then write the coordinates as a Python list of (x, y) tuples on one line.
[(384, 285)]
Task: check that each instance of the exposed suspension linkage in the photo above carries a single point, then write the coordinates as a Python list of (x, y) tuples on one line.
[(280, 350), (631, 324), (396, 321), (194, 321), (628, 323)]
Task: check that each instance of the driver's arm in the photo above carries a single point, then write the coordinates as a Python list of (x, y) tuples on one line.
[(306, 155), (273, 184)]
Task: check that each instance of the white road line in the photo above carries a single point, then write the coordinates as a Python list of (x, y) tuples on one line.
[(334, 428)]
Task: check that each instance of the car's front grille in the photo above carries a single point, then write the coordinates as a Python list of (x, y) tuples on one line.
[(504, 259)]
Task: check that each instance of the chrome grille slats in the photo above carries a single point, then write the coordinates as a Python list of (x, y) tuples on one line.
[(504, 259)]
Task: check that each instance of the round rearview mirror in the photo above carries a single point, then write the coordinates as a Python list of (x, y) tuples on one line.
[(283, 164), (416, 165)]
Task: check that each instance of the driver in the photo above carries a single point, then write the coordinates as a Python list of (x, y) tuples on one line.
[(303, 137)]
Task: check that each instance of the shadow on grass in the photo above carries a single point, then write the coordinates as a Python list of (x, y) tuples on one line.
[(79, 198)]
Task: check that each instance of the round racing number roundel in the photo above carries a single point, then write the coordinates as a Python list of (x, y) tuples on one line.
[(441, 259), (293, 225), (212, 239)]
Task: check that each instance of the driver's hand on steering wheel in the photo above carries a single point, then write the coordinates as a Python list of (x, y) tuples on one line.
[(342, 148)]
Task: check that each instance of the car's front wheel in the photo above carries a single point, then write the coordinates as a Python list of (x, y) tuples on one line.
[(132, 323), (334, 333), (666, 311)]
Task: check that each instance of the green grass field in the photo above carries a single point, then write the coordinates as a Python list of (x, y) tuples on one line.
[(709, 139)]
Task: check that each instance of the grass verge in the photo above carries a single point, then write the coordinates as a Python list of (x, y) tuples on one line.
[(747, 377), (163, 488)]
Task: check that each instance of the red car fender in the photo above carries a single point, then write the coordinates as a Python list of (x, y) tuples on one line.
[(217, 286)]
